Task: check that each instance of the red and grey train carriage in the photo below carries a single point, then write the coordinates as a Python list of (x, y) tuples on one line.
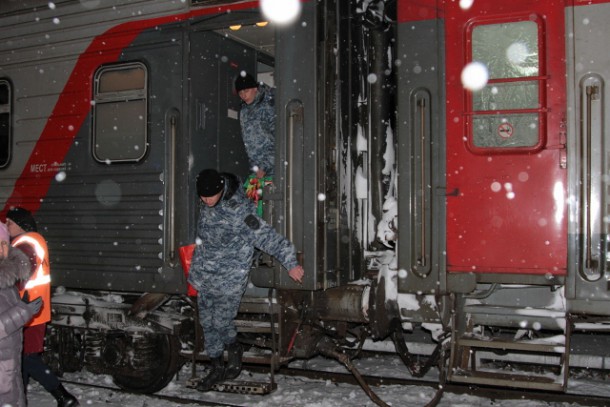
[(416, 203)]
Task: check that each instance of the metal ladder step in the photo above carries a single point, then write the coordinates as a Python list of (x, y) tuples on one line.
[(238, 387), (523, 346), (505, 316), (263, 327), (260, 388), (468, 351), (268, 322), (506, 380), (258, 307)]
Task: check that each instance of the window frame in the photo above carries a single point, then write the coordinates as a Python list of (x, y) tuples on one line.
[(8, 110), (541, 79), (115, 97)]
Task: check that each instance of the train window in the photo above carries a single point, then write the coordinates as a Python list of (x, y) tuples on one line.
[(5, 123), (120, 113), (507, 113)]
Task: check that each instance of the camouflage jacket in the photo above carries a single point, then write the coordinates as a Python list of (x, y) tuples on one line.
[(258, 129), (228, 234)]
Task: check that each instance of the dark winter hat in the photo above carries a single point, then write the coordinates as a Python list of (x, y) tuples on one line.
[(23, 218), (209, 183), (246, 81)]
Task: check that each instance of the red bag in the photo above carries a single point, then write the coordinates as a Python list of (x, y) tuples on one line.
[(186, 254)]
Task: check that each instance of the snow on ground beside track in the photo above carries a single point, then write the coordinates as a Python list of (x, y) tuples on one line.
[(291, 392)]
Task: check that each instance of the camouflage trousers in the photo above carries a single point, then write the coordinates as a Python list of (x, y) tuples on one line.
[(218, 308)]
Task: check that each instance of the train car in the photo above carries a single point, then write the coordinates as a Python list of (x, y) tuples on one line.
[(440, 168)]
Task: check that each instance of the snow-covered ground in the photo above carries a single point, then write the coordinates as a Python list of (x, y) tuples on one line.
[(291, 391)]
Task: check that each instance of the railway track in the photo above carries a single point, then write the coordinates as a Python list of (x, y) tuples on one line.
[(173, 399), (192, 397), (492, 393)]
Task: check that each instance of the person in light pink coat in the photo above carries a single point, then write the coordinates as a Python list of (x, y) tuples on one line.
[(14, 314)]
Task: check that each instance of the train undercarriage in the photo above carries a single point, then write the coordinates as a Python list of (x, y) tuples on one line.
[(143, 341), (500, 255)]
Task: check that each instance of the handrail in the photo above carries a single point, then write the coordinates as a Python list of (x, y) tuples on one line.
[(171, 194), (420, 195), (590, 149), (421, 106), (590, 92), (289, 176), (294, 115)]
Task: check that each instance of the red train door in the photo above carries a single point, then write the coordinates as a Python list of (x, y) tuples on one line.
[(506, 176)]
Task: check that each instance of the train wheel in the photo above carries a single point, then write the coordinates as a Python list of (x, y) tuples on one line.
[(63, 350), (156, 361)]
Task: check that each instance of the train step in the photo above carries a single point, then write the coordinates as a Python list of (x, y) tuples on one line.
[(264, 319), (507, 380), (504, 316), (237, 386), (259, 306), (504, 345), (471, 355)]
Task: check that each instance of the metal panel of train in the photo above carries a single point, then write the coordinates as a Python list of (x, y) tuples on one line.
[(423, 209)]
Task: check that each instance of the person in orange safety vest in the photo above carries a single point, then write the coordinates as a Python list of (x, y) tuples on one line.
[(39, 284), (24, 236)]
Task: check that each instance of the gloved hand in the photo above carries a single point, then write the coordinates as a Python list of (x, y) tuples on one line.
[(34, 305)]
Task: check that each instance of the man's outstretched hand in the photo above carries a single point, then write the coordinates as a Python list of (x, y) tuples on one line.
[(297, 273)]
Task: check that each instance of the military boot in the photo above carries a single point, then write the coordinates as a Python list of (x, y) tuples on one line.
[(235, 352), (216, 375), (64, 399)]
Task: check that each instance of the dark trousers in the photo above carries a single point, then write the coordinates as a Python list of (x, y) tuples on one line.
[(34, 367)]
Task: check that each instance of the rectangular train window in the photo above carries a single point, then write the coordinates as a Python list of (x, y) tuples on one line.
[(5, 123), (508, 113), (120, 113)]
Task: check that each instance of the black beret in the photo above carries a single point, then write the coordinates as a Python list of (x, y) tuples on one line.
[(209, 183)]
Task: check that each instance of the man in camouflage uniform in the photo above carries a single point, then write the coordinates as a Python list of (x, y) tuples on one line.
[(257, 120), (228, 231)]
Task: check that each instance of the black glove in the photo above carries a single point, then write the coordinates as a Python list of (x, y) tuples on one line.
[(34, 305)]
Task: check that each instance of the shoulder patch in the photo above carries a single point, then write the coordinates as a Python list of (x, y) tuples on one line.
[(252, 222)]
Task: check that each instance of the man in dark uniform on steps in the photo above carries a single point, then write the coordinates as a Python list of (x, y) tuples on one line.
[(228, 231)]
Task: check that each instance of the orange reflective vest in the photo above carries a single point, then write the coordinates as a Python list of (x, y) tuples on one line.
[(39, 284)]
